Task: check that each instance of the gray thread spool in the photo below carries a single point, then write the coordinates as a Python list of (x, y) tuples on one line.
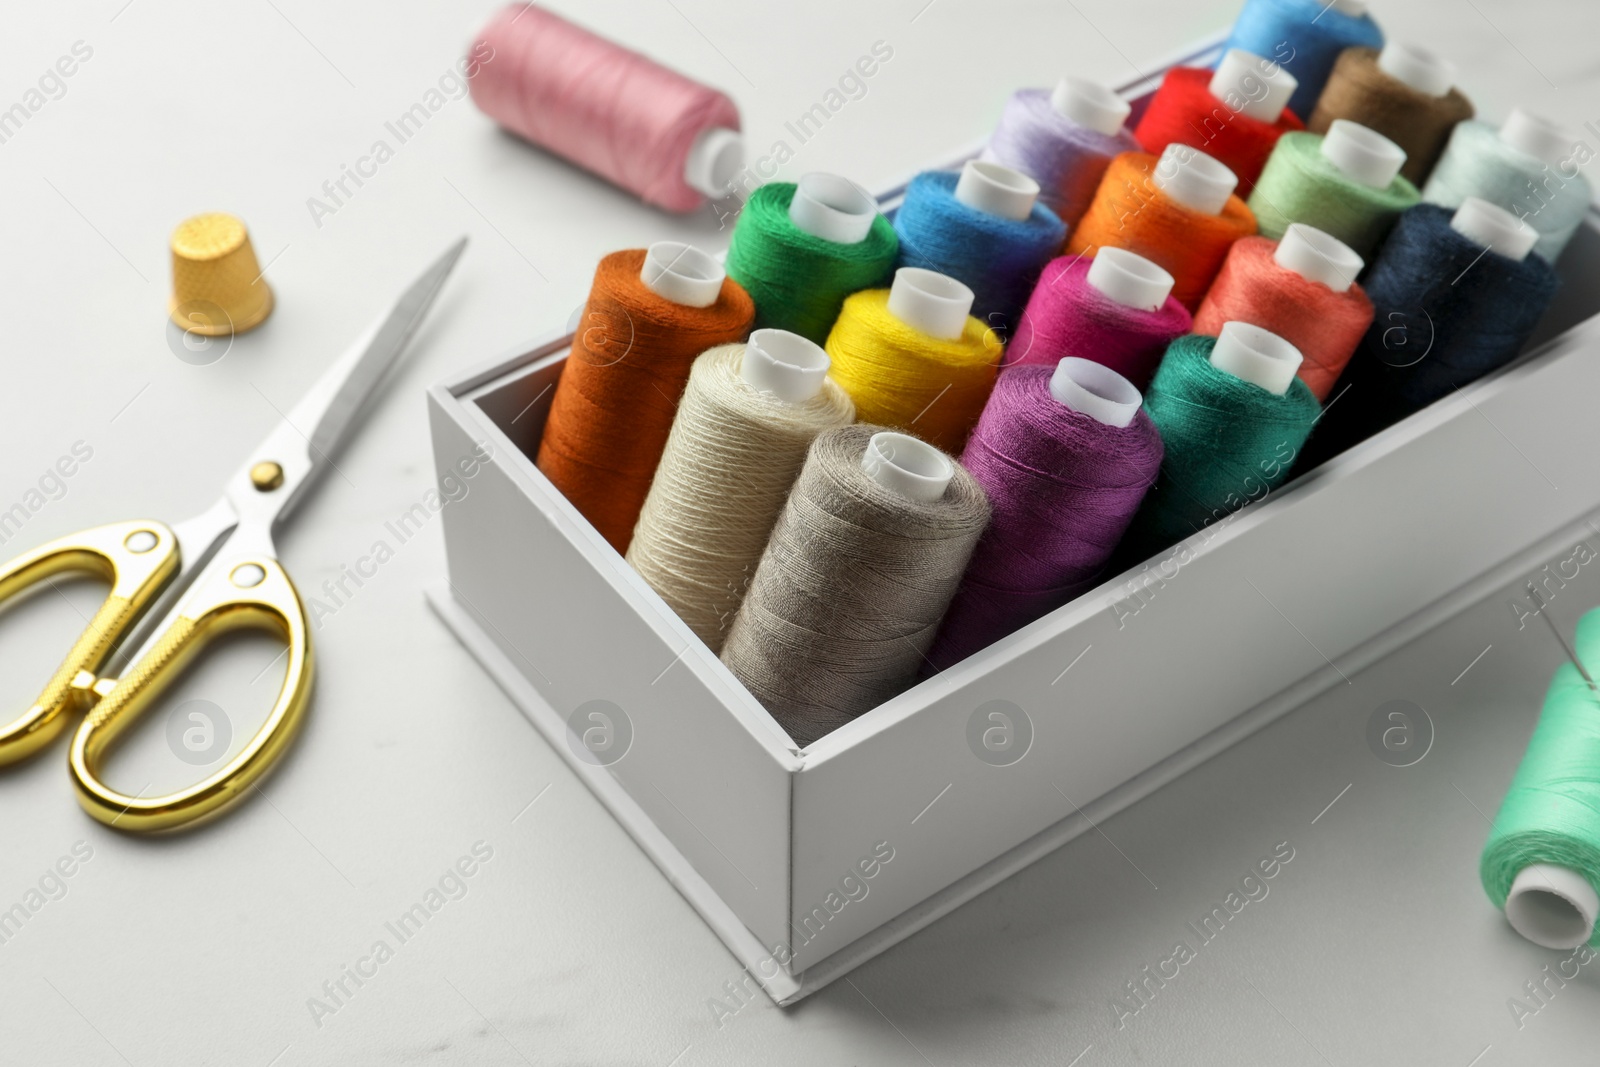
[(857, 576)]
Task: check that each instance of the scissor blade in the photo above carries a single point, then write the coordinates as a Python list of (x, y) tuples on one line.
[(339, 397)]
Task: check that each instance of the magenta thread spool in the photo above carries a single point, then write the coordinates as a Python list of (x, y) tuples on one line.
[(1065, 456), (1116, 309)]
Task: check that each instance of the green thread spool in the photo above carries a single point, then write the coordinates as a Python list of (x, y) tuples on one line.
[(1301, 183), (1548, 828), (1228, 441), (798, 276)]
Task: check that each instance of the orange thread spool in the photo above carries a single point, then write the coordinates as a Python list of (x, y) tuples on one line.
[(1131, 211), (613, 408), (1324, 325)]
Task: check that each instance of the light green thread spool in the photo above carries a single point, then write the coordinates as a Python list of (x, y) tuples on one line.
[(1300, 183), (1542, 861), (1548, 193)]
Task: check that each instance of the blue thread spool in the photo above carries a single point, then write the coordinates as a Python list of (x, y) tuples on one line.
[(1305, 37)]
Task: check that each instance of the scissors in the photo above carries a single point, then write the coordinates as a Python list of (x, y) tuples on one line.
[(216, 572)]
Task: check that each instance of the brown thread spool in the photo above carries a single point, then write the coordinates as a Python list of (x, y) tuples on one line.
[(613, 408), (1418, 121)]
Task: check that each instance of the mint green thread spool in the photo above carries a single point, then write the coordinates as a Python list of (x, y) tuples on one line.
[(800, 249), (1541, 864), (1529, 167), (1346, 182)]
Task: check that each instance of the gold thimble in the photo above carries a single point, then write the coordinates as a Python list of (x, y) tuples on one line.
[(217, 288)]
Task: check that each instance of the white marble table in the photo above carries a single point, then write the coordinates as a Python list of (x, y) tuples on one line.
[(1375, 944)]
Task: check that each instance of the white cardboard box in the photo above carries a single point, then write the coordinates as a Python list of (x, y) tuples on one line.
[(807, 862)]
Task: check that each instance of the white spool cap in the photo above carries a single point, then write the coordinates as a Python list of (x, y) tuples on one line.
[(914, 469), (1419, 68), (1538, 137), (1492, 226), (1096, 390), (1194, 179), (996, 190), (1363, 154), (833, 208), (1318, 256), (1554, 907), (1353, 8), (1240, 71), (1090, 104), (682, 274), (715, 158), (935, 304), (1129, 279), (784, 364), (1256, 355)]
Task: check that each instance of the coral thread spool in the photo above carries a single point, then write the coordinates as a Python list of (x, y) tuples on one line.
[(1116, 309), (1306, 36), (1455, 297), (649, 314), (986, 229), (1065, 456), (1345, 182), (1064, 140), (1403, 92), (663, 137), (1234, 114), (800, 249), (740, 437), (1177, 211), (912, 357), (1301, 288), (1523, 167)]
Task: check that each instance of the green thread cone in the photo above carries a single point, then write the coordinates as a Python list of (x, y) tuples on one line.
[(1300, 184)]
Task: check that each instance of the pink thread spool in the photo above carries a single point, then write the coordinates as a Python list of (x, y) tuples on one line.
[(1116, 309), (669, 140)]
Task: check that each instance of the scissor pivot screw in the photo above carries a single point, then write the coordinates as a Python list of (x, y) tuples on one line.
[(140, 541), (248, 575), (266, 476)]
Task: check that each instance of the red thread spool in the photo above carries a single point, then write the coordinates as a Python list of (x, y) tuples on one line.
[(613, 408), (1131, 211), (1325, 325), (1184, 111)]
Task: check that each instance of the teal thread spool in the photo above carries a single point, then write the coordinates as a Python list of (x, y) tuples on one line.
[(1346, 182), (1529, 167), (1542, 861), (799, 250), (1231, 431)]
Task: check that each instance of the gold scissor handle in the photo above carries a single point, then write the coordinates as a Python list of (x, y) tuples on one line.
[(252, 592), (138, 559)]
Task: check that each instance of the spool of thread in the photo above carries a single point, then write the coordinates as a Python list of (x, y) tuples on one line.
[(744, 425), (1447, 311), (860, 569), (1524, 167), (1407, 95), (1065, 456), (663, 137), (1233, 418), (1115, 309), (1178, 212), (983, 227), (1234, 114), (1345, 182), (1541, 863), (649, 314), (1306, 37), (1064, 140), (1301, 288), (913, 358), (799, 250)]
